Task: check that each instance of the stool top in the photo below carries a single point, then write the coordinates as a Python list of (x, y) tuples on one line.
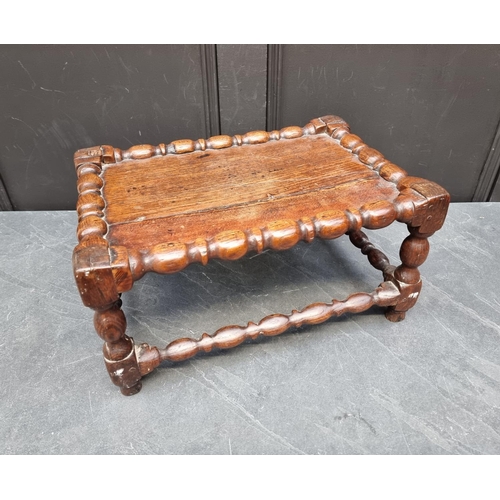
[(167, 206)]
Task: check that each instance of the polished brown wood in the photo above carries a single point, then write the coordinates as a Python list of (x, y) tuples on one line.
[(162, 208), (227, 337), (119, 350)]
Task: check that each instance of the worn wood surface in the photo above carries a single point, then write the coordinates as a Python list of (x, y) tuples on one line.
[(246, 176), (161, 208)]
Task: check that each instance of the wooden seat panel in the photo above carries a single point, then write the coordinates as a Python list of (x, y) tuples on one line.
[(176, 184)]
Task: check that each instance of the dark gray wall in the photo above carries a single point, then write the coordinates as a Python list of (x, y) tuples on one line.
[(495, 196), (242, 76), (434, 110)]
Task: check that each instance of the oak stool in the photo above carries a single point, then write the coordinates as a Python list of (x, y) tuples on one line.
[(160, 208)]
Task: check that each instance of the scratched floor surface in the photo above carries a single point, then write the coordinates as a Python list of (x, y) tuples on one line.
[(354, 385)]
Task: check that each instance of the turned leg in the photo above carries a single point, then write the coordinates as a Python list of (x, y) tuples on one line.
[(406, 277), (98, 289), (119, 350)]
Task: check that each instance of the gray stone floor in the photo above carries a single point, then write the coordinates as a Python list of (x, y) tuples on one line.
[(354, 385)]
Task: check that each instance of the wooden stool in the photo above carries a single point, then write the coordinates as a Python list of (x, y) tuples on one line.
[(162, 208)]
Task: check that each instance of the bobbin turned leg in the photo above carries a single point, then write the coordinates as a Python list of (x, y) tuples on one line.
[(98, 290), (119, 350), (428, 208), (406, 277)]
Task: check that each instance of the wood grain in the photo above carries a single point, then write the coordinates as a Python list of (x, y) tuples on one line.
[(187, 183)]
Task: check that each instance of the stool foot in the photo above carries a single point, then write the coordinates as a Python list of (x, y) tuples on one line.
[(130, 391), (395, 316)]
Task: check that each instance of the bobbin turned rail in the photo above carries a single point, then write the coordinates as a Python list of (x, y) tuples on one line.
[(228, 337), (162, 208)]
